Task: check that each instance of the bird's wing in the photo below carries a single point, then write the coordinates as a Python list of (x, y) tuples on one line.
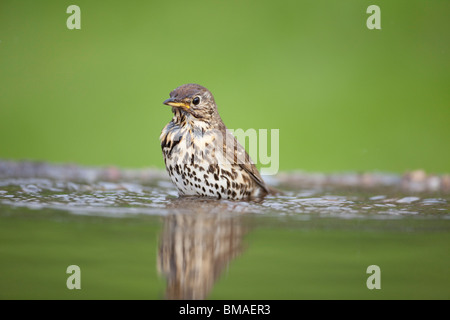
[(235, 153)]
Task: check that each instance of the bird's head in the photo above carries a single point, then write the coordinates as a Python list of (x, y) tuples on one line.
[(194, 100)]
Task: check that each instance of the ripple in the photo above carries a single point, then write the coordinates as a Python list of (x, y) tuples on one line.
[(119, 199), (408, 199)]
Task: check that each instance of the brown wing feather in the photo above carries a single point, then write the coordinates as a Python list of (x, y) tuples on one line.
[(236, 153)]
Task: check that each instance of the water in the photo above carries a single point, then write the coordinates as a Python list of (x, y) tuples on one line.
[(312, 242), (121, 199)]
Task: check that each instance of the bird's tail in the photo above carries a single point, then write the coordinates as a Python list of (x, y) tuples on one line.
[(274, 191)]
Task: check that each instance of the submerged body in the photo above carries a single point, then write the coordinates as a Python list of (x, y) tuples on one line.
[(201, 156)]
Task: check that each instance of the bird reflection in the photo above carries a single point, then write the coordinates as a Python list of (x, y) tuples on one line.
[(198, 241)]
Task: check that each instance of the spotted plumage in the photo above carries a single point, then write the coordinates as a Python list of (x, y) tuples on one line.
[(201, 156)]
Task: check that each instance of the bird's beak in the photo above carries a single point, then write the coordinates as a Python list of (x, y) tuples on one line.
[(174, 103)]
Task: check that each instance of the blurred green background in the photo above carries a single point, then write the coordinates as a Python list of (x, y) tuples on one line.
[(344, 97)]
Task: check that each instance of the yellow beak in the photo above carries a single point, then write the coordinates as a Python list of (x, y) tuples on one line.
[(171, 102)]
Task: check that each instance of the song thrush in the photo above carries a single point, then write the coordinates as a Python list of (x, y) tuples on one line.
[(201, 156)]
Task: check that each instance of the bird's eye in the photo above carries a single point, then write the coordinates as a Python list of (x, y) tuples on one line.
[(196, 101)]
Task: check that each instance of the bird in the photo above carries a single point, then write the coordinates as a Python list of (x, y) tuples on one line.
[(202, 157)]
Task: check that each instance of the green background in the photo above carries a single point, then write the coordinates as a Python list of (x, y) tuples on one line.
[(343, 97)]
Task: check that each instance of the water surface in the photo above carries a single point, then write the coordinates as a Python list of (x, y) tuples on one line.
[(139, 240)]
